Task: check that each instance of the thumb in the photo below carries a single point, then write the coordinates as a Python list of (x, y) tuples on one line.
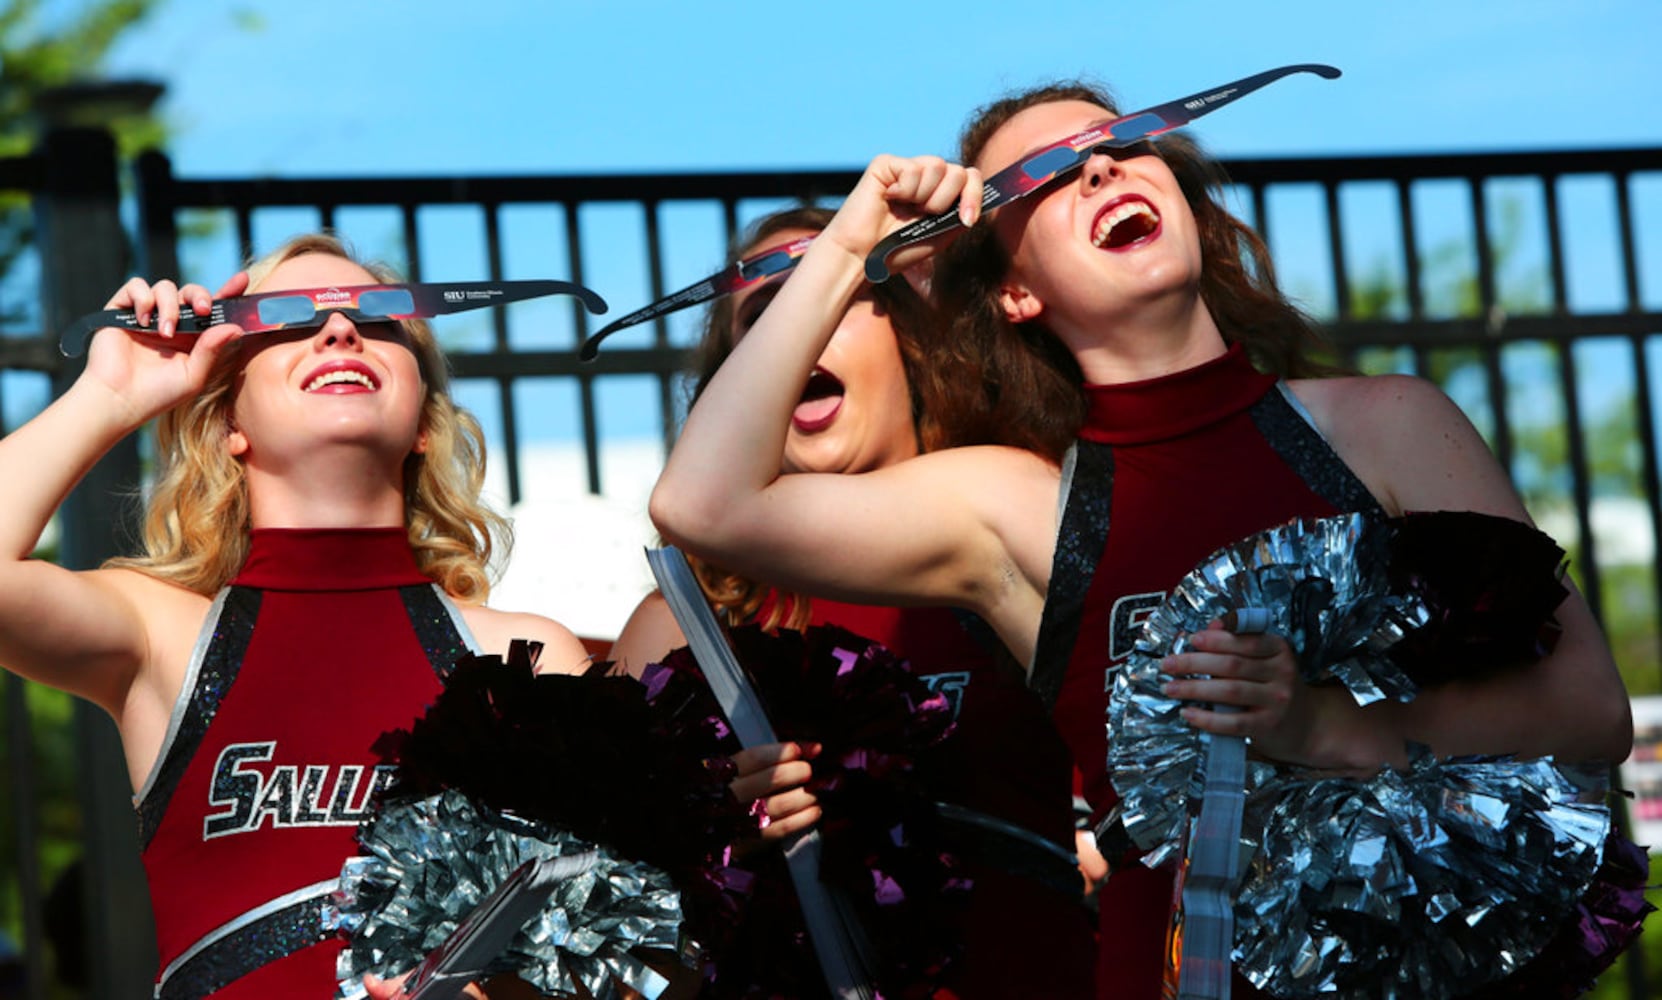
[(208, 348)]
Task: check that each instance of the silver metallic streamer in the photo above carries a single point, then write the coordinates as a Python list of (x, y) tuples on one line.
[(1422, 883), (1323, 582), (427, 863), (1417, 884)]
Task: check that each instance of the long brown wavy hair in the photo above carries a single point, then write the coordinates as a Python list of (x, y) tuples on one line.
[(949, 407), (1033, 381), (196, 521)]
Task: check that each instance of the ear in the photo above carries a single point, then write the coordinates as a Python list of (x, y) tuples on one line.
[(420, 442), (1019, 303), (236, 442)]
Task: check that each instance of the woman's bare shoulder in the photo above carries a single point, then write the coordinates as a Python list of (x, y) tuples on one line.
[(1342, 396), (562, 651), (1409, 442), (649, 634)]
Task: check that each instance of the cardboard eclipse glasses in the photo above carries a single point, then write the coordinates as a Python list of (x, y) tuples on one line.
[(298, 309), (1028, 174)]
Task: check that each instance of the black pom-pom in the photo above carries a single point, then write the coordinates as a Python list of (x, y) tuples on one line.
[(883, 845), (1491, 585), (614, 760)]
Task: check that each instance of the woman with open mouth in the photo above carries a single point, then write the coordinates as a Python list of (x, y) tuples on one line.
[(315, 559), (869, 402), (1124, 307)]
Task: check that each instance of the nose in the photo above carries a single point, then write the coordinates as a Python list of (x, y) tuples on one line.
[(337, 331), (1099, 170)]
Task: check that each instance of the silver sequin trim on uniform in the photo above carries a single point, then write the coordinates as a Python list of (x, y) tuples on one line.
[(259, 937), (214, 664), (1080, 537), (438, 624), (1289, 429)]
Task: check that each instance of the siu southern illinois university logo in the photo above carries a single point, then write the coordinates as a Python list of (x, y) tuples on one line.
[(250, 792)]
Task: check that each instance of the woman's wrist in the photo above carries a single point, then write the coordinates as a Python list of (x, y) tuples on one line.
[(101, 410), (1350, 737)]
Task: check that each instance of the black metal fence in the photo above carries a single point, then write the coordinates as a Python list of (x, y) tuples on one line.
[(1463, 268)]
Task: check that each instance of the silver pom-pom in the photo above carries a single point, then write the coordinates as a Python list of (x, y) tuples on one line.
[(1422, 883), (1323, 585), (1425, 883), (427, 863)]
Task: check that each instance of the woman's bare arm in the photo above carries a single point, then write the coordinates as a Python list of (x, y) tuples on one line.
[(648, 636), (562, 651), (938, 529), (1415, 449), (87, 632)]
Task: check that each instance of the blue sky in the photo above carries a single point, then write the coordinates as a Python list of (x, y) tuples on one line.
[(436, 86)]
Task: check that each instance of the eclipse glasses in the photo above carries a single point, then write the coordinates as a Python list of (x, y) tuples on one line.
[(298, 309)]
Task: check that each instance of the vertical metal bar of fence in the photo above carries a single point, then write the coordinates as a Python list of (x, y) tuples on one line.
[(158, 235), (730, 218), (245, 232), (1342, 306), (660, 325), (499, 344), (580, 323), (1580, 489), (412, 239), (1489, 316), (84, 254), (1411, 271)]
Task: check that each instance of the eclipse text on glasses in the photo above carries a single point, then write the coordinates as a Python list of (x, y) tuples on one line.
[(297, 309)]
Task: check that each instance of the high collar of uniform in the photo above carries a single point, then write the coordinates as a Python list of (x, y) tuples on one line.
[(1169, 406), (325, 559)]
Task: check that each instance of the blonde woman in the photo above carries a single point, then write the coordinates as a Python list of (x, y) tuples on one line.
[(314, 558)]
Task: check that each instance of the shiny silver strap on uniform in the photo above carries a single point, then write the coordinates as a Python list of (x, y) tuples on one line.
[(265, 934)]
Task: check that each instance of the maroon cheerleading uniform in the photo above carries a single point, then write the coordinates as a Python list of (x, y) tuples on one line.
[(1004, 758), (325, 640), (1167, 471)]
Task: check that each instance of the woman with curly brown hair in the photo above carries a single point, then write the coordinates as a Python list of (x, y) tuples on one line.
[(315, 559), (872, 401), (1123, 307)]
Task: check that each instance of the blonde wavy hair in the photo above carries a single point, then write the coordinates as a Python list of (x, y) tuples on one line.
[(200, 487)]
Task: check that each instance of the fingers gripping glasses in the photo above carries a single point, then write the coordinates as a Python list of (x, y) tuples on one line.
[(298, 309)]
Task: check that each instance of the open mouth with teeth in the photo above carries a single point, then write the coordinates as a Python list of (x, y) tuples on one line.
[(1125, 223), (821, 399), (342, 380)]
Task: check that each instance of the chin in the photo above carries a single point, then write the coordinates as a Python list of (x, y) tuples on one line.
[(827, 460)]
